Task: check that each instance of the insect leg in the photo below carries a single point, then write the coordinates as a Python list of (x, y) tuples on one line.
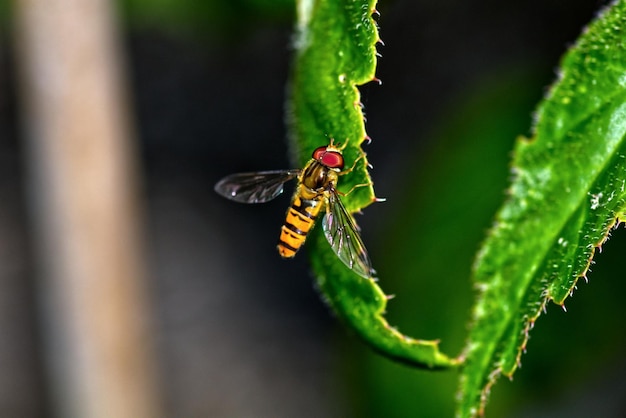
[(356, 160), (352, 189)]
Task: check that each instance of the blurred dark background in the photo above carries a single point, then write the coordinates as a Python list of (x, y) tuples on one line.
[(240, 332)]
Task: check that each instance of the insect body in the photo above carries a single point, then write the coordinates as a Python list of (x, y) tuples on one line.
[(316, 190), (299, 220)]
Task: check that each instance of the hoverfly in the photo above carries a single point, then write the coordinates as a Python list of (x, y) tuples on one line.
[(316, 190)]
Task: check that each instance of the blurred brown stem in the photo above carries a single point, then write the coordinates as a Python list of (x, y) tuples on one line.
[(83, 181)]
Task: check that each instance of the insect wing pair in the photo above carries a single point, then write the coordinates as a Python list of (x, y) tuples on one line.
[(339, 227)]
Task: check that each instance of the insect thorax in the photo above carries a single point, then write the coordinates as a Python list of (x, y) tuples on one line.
[(317, 178)]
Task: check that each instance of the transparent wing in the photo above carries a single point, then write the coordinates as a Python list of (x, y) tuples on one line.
[(258, 187), (343, 236)]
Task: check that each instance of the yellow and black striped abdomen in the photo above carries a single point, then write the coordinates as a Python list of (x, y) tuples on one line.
[(300, 219)]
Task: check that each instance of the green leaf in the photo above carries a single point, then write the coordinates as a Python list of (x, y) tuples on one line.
[(567, 193), (431, 231), (336, 52)]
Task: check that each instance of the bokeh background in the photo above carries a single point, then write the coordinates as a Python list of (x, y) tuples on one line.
[(234, 331)]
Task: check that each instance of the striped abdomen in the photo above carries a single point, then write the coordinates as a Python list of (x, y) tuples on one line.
[(300, 219)]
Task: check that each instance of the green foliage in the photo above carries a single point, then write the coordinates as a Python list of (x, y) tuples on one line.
[(5, 13), (209, 15), (336, 51), (567, 193), (432, 227)]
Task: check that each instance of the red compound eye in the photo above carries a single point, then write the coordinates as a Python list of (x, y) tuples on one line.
[(332, 159), (317, 154)]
